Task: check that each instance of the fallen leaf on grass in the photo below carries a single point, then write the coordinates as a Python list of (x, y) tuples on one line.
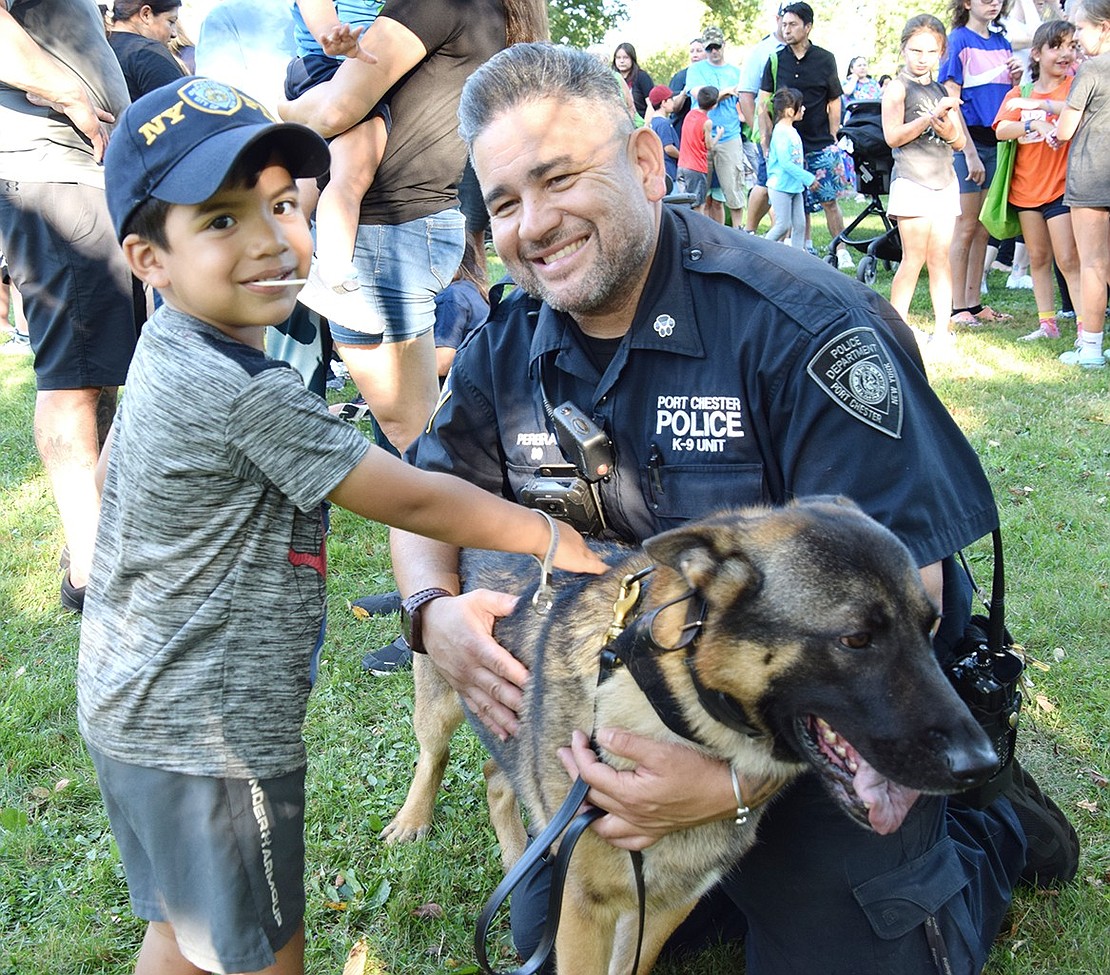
[(60, 784), (360, 962), (360, 613), (1091, 807), (429, 910), (335, 905), (1044, 704)]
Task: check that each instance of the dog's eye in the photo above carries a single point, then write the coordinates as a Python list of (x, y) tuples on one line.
[(856, 641)]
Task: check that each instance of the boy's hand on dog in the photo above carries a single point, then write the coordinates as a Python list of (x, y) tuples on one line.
[(574, 555), (458, 635), (653, 799)]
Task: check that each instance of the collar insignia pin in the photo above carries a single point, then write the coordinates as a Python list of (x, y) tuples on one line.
[(664, 325)]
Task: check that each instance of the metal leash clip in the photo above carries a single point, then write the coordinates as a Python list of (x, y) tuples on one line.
[(626, 600)]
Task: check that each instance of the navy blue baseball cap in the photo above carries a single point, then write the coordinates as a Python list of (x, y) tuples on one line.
[(179, 142)]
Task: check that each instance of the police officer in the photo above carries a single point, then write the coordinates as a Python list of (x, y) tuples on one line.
[(726, 371)]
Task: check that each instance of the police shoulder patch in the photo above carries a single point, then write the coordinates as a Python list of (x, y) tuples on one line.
[(856, 371)]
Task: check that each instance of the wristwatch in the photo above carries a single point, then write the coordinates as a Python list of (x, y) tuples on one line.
[(1028, 126), (411, 616)]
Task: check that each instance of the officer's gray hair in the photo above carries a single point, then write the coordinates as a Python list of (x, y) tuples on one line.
[(530, 72)]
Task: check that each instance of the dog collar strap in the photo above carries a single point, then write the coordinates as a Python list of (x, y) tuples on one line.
[(638, 650), (722, 707)]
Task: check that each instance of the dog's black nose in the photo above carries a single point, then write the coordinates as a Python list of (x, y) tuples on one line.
[(972, 762)]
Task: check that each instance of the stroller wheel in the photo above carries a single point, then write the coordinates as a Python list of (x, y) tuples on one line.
[(866, 269)]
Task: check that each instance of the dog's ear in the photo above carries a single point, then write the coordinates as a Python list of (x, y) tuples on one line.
[(707, 554)]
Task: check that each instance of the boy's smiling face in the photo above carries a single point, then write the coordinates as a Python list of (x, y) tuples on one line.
[(219, 250)]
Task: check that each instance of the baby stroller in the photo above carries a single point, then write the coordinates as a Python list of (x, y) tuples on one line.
[(863, 125)]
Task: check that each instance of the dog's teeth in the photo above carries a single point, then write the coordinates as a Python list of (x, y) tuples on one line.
[(853, 766), (830, 736), (841, 751)]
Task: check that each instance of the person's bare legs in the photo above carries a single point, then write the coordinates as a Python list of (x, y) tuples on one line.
[(834, 219), (70, 425), (1092, 237), (940, 273), (758, 205), (355, 155), (914, 234), (160, 955), (398, 381), (1064, 251), (969, 247)]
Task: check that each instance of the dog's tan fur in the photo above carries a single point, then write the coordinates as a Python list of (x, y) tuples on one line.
[(789, 595)]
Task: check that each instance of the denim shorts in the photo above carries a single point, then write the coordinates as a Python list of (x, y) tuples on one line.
[(402, 268), (305, 73), (83, 307), (988, 155), (1051, 209), (760, 161), (221, 860), (694, 183)]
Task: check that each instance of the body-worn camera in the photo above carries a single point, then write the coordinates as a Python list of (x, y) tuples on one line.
[(989, 683), (569, 492), (583, 442), (564, 495)]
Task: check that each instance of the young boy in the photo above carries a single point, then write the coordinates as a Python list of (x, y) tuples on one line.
[(698, 138), (661, 100), (206, 596)]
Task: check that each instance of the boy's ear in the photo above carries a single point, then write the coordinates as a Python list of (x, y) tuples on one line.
[(145, 260), (646, 153)]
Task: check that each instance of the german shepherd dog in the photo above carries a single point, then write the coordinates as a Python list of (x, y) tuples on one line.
[(778, 640)]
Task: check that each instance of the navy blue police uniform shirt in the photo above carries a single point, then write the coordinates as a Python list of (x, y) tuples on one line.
[(750, 375)]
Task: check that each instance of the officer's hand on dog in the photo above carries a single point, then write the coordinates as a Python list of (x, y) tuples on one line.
[(671, 787), (458, 635)]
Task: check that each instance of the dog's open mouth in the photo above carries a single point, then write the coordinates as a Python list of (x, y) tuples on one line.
[(867, 796)]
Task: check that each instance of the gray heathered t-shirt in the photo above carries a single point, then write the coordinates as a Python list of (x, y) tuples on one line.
[(1088, 183), (207, 587)]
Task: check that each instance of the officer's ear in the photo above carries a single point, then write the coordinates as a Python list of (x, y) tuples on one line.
[(646, 155)]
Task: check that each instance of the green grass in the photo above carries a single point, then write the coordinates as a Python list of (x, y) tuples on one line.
[(1043, 432)]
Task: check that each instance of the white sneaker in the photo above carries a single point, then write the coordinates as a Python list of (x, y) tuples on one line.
[(844, 260), (341, 304), (1019, 282), (1082, 357)]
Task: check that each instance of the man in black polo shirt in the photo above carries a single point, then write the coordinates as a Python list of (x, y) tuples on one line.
[(812, 70)]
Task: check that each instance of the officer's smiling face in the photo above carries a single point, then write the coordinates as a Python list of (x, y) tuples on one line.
[(573, 195)]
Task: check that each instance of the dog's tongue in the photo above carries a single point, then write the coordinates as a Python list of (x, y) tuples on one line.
[(887, 802)]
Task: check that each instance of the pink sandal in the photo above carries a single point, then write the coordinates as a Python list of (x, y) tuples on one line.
[(964, 319), (988, 314)]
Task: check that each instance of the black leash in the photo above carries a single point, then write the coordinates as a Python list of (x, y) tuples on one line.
[(538, 849), (574, 825)]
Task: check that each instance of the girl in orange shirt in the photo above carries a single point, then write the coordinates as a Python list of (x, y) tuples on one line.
[(1040, 169)]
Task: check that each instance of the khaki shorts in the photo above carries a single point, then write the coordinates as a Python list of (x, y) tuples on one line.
[(727, 160)]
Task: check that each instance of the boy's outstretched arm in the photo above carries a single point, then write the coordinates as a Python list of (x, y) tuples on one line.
[(449, 509)]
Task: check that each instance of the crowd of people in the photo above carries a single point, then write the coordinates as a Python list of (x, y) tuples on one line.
[(194, 509)]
